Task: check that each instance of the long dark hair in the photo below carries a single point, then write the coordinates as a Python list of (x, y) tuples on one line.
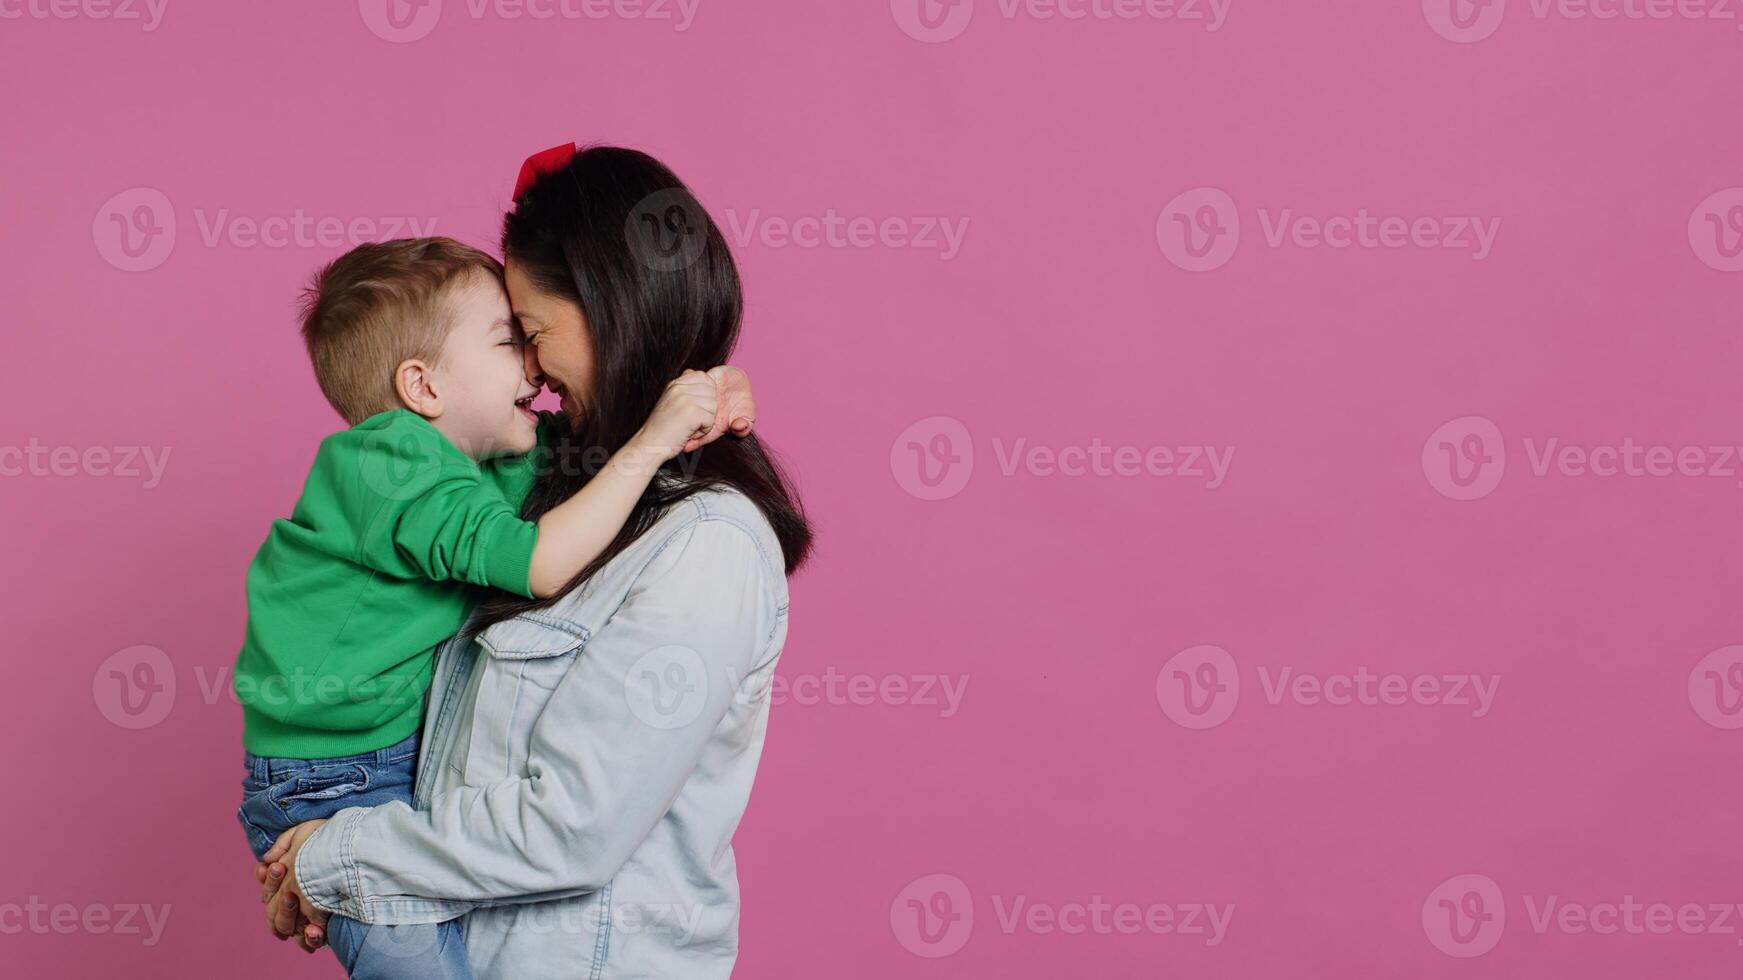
[(619, 234)]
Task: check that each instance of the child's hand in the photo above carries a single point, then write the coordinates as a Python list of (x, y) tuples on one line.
[(682, 419), (738, 410)]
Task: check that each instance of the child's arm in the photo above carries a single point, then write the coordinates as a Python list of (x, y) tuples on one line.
[(579, 529), (396, 497)]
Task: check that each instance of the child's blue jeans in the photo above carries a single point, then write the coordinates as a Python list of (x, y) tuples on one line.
[(278, 794)]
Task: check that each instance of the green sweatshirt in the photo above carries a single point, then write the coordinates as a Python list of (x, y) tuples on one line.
[(349, 598)]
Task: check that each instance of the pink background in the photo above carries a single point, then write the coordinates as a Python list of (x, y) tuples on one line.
[(1068, 773)]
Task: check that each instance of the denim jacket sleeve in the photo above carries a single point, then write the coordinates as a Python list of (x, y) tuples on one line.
[(602, 767)]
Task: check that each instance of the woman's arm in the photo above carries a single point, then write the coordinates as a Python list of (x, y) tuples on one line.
[(600, 777)]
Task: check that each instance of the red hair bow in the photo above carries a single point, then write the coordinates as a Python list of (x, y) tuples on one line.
[(541, 163)]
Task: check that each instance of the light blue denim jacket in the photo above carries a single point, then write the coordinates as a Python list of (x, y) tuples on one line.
[(584, 767)]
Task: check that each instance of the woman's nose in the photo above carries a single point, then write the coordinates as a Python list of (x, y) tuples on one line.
[(530, 365)]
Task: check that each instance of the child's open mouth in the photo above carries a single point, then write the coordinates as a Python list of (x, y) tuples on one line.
[(526, 406)]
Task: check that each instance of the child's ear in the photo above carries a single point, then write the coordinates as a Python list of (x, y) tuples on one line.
[(415, 384)]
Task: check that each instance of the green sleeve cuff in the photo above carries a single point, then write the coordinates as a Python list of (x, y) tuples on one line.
[(508, 556), (550, 424)]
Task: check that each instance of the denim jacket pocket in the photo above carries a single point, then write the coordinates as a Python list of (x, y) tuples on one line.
[(532, 636), (528, 657)]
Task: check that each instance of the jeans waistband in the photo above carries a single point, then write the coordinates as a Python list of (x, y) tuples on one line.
[(262, 766)]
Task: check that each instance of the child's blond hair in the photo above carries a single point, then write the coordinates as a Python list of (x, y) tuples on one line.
[(377, 306)]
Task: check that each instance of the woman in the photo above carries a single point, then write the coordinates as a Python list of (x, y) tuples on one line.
[(586, 759)]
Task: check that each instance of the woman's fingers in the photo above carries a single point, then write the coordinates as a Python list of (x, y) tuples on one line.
[(272, 878), (279, 847), (290, 914), (281, 915), (286, 919)]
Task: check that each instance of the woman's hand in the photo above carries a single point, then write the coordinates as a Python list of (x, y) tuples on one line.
[(288, 910), (310, 937)]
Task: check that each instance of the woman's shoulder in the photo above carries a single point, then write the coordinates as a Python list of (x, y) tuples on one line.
[(711, 542), (714, 541), (716, 533), (717, 522)]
